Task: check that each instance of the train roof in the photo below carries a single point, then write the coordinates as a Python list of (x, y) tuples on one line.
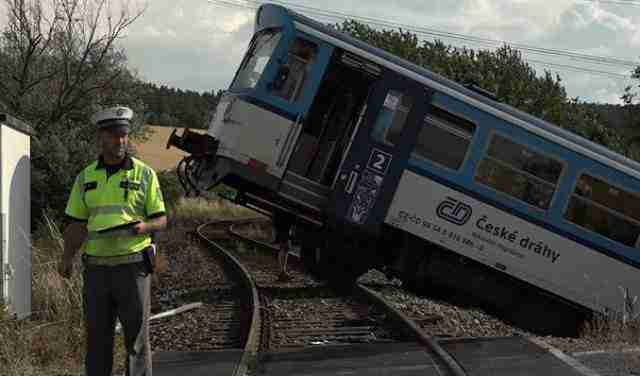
[(517, 117)]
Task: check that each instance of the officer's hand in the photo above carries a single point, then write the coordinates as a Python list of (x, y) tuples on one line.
[(139, 229), (65, 268)]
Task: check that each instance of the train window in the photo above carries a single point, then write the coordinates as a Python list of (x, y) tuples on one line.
[(610, 211), (256, 59), (444, 139), (293, 74), (392, 117), (518, 171)]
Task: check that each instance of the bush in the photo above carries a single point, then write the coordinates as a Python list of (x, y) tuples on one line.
[(172, 191), (74, 67)]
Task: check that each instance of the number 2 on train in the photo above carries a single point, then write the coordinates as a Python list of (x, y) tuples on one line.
[(379, 161)]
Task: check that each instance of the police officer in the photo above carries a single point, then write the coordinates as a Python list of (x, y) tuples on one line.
[(115, 205)]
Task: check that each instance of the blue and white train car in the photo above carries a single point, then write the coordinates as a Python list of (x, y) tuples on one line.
[(382, 163)]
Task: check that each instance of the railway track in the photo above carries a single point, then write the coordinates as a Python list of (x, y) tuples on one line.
[(221, 320), (304, 312), (249, 323)]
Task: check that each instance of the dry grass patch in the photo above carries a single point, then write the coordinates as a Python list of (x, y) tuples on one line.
[(153, 149), (51, 341), (618, 336), (187, 214), (611, 337), (614, 330), (200, 210), (613, 333), (262, 232)]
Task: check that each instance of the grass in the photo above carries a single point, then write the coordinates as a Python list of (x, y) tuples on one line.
[(617, 329), (51, 340), (198, 210), (618, 333), (613, 331), (618, 337)]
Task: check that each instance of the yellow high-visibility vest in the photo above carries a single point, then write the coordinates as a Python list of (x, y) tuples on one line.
[(105, 202)]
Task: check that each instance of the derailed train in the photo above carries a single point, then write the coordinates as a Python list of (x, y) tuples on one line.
[(384, 164)]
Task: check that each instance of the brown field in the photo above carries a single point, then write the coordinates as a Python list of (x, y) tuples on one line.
[(154, 152)]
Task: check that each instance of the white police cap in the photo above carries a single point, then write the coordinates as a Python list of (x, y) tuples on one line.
[(113, 116)]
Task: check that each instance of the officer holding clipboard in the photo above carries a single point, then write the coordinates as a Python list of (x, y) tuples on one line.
[(115, 206)]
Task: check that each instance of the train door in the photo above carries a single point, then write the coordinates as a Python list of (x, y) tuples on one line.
[(378, 153), (291, 90), (328, 128)]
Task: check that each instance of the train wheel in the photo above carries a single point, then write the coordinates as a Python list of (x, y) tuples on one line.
[(340, 274), (307, 256), (414, 278), (333, 268), (343, 281), (545, 316), (412, 285), (312, 259)]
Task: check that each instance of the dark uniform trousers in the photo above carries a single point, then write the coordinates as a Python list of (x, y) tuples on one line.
[(121, 291)]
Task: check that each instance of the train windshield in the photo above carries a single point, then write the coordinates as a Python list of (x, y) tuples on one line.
[(256, 59)]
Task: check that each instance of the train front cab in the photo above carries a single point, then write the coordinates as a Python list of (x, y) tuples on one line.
[(309, 129), (271, 148)]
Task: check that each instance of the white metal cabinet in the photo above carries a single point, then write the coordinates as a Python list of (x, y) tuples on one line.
[(15, 214)]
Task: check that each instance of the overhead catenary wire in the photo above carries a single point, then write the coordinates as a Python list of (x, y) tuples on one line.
[(424, 30), (632, 3), (579, 69), (485, 42)]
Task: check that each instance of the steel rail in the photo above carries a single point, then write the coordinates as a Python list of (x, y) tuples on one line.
[(433, 345), (252, 342), (374, 297)]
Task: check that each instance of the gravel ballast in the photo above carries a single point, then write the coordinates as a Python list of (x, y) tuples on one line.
[(456, 321), (191, 276)]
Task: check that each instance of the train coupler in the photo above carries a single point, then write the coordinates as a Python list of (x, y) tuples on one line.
[(194, 143)]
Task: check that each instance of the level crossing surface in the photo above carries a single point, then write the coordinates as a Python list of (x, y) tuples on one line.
[(477, 356), (611, 363), (181, 363)]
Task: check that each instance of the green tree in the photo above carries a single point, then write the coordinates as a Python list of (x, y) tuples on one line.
[(630, 112), (60, 63), (630, 96), (172, 107)]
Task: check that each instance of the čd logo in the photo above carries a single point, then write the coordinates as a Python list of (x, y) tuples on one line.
[(454, 211)]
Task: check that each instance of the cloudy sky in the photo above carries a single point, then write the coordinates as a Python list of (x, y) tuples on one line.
[(197, 44)]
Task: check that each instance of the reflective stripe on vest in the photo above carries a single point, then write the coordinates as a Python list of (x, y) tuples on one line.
[(82, 187), (94, 235), (113, 209)]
